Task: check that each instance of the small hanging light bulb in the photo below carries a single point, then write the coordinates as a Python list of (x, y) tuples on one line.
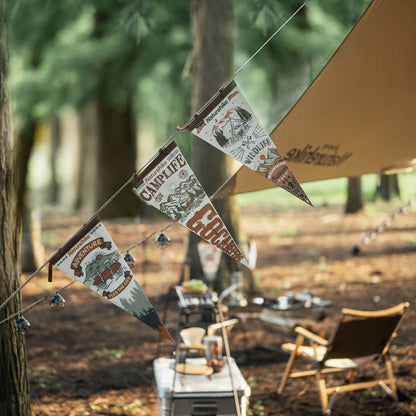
[(57, 302), (162, 240), (130, 260), (22, 325), (364, 238), (387, 224)]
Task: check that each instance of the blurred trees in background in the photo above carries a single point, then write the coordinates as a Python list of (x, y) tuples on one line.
[(124, 68), (14, 392), (91, 55)]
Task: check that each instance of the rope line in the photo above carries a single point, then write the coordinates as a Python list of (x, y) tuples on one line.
[(267, 41), (37, 302)]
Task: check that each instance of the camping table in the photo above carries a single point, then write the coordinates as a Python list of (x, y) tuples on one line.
[(199, 394), (286, 312)]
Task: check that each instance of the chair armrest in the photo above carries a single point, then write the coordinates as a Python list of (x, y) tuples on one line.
[(400, 308), (311, 336), (226, 324)]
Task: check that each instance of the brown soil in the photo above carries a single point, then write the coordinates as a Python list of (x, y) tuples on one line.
[(93, 359)]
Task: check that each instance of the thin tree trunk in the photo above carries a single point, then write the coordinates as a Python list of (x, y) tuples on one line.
[(213, 26), (116, 133), (355, 198), (116, 158), (14, 391), (24, 145), (87, 158), (55, 144), (32, 250), (387, 187)]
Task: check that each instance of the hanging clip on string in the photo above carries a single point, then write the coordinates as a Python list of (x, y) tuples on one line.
[(182, 128)]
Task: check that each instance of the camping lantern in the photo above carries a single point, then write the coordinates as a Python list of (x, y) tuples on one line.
[(130, 260), (22, 325), (57, 302), (162, 240)]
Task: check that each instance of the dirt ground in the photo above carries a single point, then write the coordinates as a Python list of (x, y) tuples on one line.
[(93, 359)]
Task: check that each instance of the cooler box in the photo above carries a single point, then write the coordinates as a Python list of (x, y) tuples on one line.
[(199, 395)]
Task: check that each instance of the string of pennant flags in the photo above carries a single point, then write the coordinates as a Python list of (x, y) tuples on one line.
[(168, 183)]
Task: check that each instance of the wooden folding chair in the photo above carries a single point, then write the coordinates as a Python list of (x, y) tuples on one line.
[(359, 335)]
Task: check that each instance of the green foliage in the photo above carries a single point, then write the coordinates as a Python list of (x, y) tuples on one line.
[(257, 409), (109, 353), (77, 50), (64, 53)]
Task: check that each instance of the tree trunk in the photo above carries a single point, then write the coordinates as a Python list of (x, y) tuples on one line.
[(387, 187), (55, 143), (32, 250), (14, 391), (116, 133), (87, 158), (213, 34), (116, 161), (355, 198)]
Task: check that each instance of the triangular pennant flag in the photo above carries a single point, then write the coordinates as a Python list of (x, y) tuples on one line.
[(92, 258), (229, 124), (170, 185), (210, 257)]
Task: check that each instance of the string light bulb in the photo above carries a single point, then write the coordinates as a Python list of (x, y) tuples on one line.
[(57, 302), (162, 240), (22, 325), (130, 260)]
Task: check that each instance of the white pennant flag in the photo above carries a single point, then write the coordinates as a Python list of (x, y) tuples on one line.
[(210, 257), (170, 185), (229, 124), (92, 258)]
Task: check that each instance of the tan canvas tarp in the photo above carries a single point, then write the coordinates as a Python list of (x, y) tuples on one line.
[(359, 114)]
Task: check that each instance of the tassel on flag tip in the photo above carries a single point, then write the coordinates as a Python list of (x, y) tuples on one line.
[(164, 331)]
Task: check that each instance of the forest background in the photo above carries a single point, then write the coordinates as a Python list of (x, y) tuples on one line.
[(97, 86)]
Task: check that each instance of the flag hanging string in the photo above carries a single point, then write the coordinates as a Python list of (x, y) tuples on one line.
[(157, 232), (267, 41), (149, 236), (37, 302), (168, 141)]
